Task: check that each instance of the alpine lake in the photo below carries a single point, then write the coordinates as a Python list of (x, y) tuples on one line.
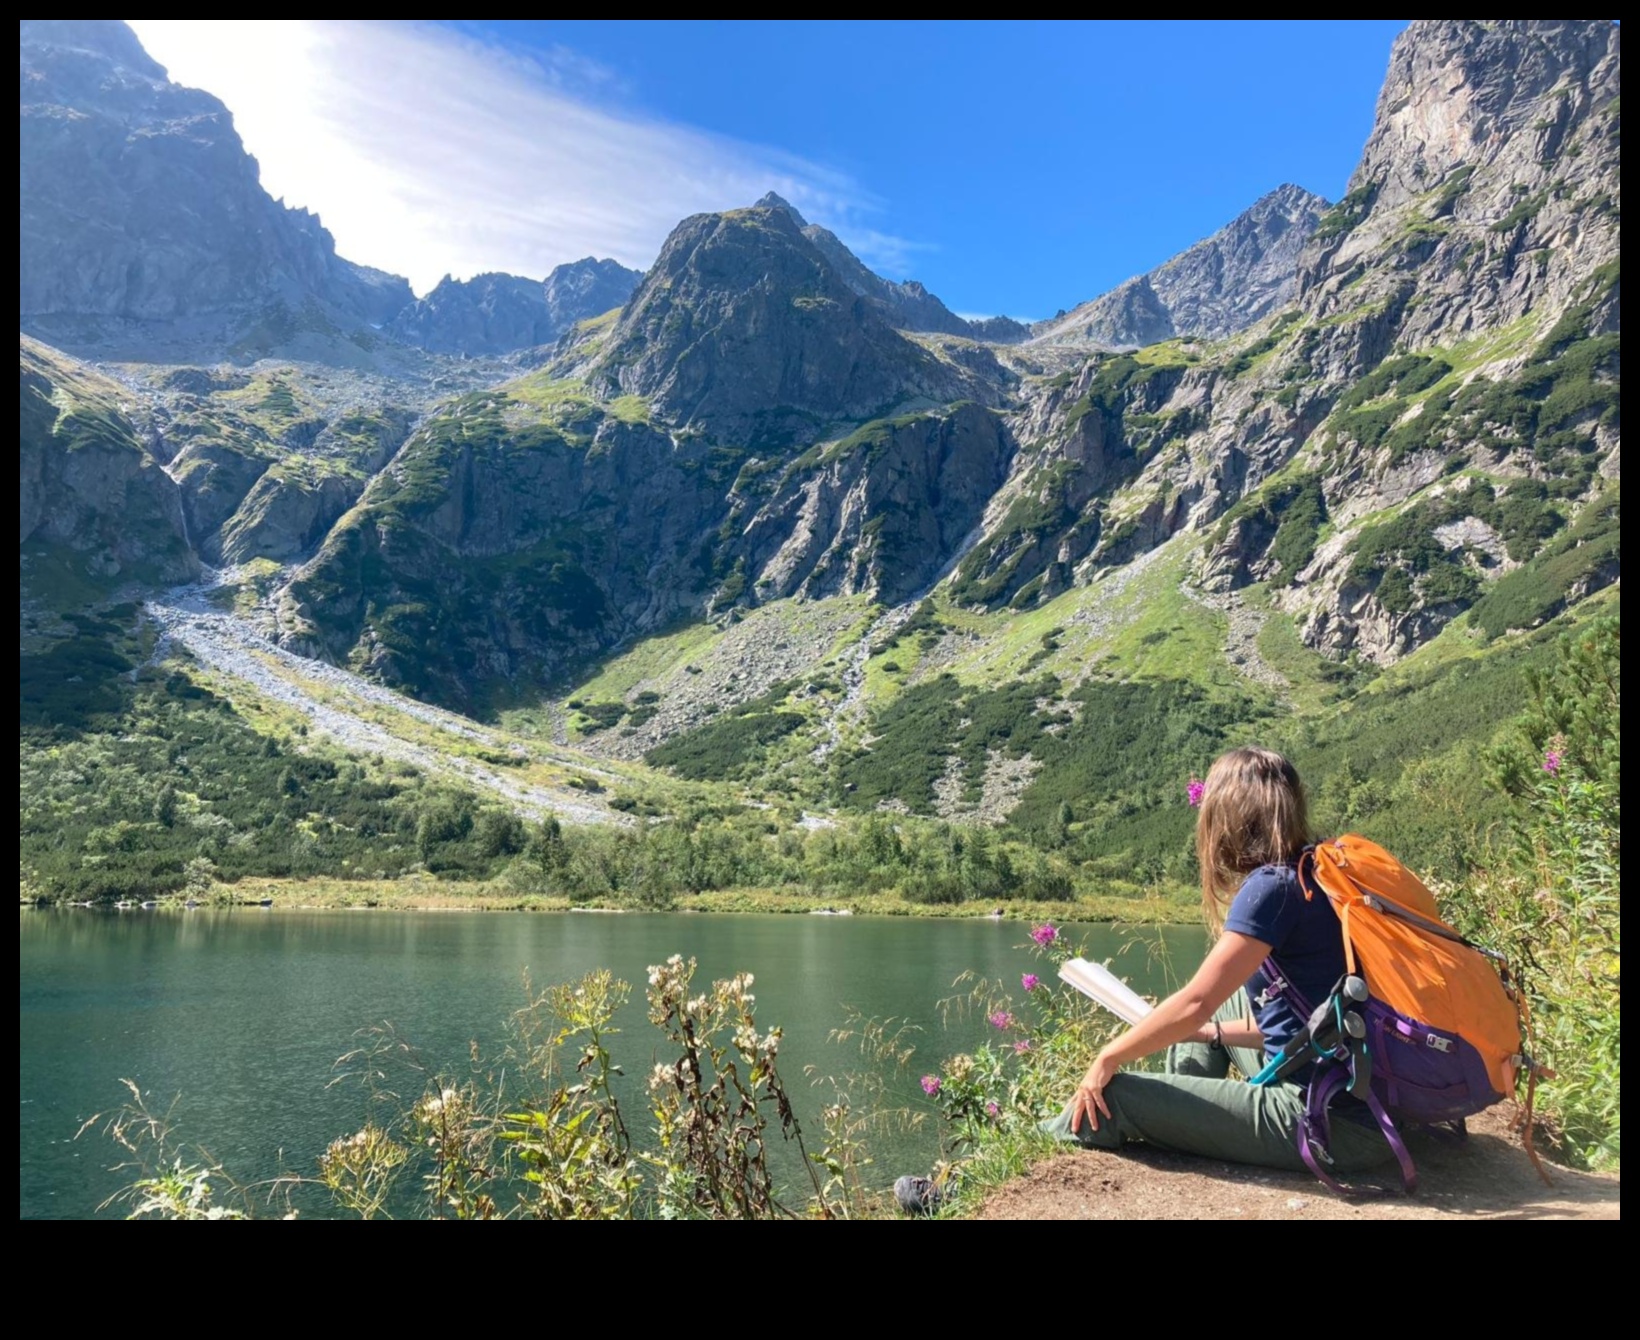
[(234, 1020)]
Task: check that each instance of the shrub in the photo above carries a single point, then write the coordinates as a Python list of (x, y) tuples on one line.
[(550, 1140), (1552, 898)]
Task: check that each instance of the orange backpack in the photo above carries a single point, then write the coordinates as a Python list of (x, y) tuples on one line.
[(1425, 1026)]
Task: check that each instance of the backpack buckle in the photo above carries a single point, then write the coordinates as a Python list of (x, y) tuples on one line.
[(1436, 1041)]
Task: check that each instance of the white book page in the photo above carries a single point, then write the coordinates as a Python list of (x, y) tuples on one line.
[(1099, 983)]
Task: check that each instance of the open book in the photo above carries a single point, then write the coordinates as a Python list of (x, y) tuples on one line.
[(1099, 983)]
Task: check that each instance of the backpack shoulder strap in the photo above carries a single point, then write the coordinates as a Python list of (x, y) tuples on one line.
[(1306, 872)]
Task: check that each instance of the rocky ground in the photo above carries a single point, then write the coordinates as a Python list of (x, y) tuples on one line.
[(1241, 639), (334, 700), (1486, 1177)]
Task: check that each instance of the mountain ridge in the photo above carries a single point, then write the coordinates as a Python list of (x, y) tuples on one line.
[(1421, 441), (907, 305), (1213, 289), (497, 313)]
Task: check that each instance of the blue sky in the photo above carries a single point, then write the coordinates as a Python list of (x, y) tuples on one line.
[(1011, 167)]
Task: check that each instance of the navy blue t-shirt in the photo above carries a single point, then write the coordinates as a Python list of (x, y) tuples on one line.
[(1306, 943)]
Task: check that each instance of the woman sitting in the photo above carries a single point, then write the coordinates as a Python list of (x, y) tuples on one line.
[(1251, 829)]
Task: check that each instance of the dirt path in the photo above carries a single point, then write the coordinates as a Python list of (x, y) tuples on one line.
[(1486, 1177)]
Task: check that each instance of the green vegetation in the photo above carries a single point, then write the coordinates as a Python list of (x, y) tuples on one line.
[(1584, 558), (1111, 755), (1568, 387), (1401, 559), (1290, 509), (1015, 550), (1377, 410), (1524, 210), (727, 748), (1551, 899), (428, 603), (1444, 197), (1246, 359), (1403, 562), (1117, 378), (1302, 516), (1342, 218), (570, 404), (137, 782)]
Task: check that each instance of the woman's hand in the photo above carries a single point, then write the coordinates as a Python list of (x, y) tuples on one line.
[(1089, 1099)]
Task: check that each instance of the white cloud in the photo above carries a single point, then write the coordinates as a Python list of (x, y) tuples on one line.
[(426, 152)]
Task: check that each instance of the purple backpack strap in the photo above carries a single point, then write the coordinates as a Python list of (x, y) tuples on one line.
[(1409, 1171), (1315, 1127), (1276, 984)]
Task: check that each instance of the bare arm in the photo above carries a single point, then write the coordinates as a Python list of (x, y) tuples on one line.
[(1183, 1016)]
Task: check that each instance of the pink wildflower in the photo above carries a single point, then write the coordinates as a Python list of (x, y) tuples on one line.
[(1552, 761), (1045, 935), (1021, 1046), (1002, 1019), (1030, 981), (931, 1085), (1193, 791), (992, 1110)]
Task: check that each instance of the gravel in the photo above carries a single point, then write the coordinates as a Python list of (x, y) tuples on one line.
[(229, 645)]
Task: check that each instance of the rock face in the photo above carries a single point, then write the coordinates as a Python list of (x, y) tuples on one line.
[(1223, 284), (139, 203), (882, 512), (267, 461), (1490, 181), (500, 313), (587, 288), (502, 544), (1244, 271), (1456, 316), (1130, 315), (86, 486), (905, 306), (744, 327)]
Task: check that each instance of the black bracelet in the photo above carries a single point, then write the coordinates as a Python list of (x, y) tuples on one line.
[(1217, 1044)]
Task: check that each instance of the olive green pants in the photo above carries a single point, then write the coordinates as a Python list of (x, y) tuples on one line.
[(1195, 1108)]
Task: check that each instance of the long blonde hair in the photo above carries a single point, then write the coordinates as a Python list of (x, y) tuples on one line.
[(1253, 813)]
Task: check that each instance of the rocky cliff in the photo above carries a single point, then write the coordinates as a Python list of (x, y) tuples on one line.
[(95, 509), (1219, 286), (139, 204), (500, 313), (1440, 403)]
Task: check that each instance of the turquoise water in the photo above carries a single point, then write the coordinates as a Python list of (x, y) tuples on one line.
[(240, 1015)]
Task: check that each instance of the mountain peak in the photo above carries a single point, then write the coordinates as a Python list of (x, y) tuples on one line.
[(1222, 284), (109, 40), (742, 320), (772, 201), (138, 202)]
